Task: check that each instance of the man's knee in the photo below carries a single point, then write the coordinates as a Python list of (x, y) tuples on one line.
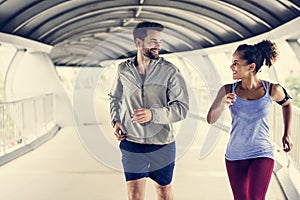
[(135, 196), (164, 191), (136, 189)]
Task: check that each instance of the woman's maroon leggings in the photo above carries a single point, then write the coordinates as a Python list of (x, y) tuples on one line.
[(249, 179)]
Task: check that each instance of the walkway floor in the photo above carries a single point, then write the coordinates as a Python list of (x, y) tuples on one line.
[(62, 169)]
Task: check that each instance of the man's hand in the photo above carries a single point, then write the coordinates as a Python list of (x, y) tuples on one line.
[(119, 132), (141, 115)]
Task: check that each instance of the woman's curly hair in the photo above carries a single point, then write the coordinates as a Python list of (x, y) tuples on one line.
[(264, 52)]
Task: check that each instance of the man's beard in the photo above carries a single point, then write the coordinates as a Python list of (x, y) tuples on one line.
[(148, 53)]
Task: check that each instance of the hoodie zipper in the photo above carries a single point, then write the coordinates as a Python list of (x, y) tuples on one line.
[(143, 95), (143, 105)]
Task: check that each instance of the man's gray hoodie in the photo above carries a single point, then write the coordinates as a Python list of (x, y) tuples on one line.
[(164, 92)]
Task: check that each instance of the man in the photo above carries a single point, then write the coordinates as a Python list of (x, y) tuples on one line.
[(155, 95)]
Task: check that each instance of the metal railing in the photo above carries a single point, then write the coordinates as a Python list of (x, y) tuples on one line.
[(24, 121)]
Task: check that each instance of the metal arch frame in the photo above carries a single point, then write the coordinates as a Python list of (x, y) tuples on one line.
[(295, 4), (68, 61), (2, 1), (6, 5), (59, 17), (95, 37), (181, 23), (94, 24), (28, 13), (248, 13), (114, 48), (249, 7), (110, 44), (210, 13), (180, 5), (118, 24), (46, 35), (226, 20), (87, 21), (199, 20), (58, 40), (113, 44), (110, 3)]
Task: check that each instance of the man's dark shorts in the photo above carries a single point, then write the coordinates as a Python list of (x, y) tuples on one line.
[(148, 160)]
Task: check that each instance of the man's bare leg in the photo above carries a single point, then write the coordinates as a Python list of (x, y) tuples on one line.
[(136, 189), (164, 192)]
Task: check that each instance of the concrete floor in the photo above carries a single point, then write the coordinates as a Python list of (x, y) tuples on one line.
[(63, 169)]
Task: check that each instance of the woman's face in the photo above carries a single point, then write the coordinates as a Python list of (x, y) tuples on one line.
[(240, 68)]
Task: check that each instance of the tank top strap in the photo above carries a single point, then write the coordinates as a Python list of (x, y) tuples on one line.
[(266, 86), (233, 87), (264, 83)]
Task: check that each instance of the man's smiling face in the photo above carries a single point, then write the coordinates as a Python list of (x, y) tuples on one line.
[(152, 44)]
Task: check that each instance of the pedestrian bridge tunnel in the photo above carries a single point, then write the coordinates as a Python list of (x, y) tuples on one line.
[(58, 60)]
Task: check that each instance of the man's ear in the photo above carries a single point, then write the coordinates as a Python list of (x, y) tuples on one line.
[(138, 43)]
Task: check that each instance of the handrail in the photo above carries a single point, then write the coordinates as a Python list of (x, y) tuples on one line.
[(24, 121)]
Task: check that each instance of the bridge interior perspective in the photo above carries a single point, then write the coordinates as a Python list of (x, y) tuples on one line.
[(58, 60)]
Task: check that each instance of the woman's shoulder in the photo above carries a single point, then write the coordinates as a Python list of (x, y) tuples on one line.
[(228, 87), (272, 86), (276, 88), (277, 92)]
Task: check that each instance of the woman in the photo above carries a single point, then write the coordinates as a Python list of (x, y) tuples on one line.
[(249, 154)]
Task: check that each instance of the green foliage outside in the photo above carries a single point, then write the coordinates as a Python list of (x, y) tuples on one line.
[(292, 84)]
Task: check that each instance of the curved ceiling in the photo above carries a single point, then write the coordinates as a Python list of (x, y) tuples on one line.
[(86, 32)]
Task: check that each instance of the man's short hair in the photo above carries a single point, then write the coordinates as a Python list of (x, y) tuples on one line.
[(141, 29)]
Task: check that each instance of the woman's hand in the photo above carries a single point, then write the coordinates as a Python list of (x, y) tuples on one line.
[(228, 99), (287, 143), (223, 100)]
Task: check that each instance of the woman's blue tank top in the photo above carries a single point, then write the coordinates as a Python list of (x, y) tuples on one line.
[(249, 136)]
